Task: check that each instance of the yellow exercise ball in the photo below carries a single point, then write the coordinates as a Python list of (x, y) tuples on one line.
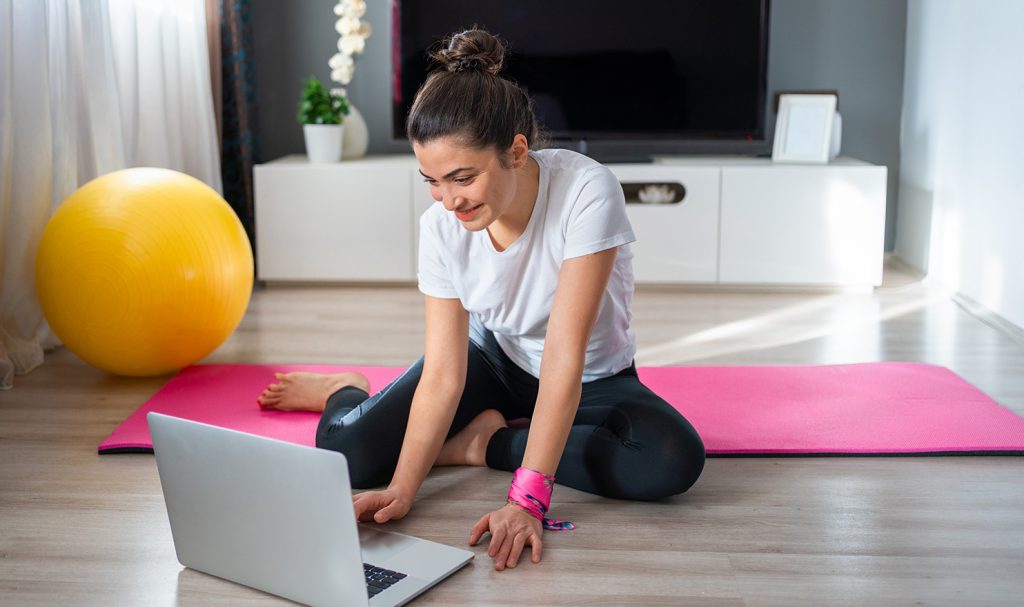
[(144, 271)]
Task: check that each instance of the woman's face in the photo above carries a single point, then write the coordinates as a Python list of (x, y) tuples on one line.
[(469, 182)]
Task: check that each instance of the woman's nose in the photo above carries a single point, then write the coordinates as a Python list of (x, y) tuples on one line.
[(450, 202)]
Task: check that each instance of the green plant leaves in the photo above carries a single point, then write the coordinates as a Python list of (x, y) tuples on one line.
[(320, 106)]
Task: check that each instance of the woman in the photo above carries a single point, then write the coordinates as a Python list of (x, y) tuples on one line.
[(527, 277)]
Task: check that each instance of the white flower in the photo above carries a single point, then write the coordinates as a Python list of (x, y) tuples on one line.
[(347, 25), (352, 38), (342, 62), (356, 8), (352, 8), (343, 75), (338, 90), (351, 45)]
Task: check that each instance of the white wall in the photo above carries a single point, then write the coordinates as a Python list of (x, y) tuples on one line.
[(856, 48), (961, 195)]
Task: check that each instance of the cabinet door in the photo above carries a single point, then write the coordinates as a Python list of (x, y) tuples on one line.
[(677, 242), (820, 225), (338, 221)]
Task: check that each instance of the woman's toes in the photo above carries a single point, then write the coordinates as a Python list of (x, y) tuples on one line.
[(268, 398)]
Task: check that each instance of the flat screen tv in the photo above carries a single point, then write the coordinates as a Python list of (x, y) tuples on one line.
[(653, 74)]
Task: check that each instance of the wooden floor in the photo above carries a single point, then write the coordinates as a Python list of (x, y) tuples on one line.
[(80, 529)]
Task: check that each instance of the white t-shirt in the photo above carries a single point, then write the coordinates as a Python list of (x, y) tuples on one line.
[(580, 209)]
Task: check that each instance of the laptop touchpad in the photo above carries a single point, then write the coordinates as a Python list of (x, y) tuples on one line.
[(377, 546)]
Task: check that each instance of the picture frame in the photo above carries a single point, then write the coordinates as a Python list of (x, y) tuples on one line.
[(804, 128)]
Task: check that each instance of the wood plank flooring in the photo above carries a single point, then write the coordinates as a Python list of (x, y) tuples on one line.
[(80, 529)]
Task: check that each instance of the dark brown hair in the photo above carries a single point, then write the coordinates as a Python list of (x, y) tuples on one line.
[(469, 99)]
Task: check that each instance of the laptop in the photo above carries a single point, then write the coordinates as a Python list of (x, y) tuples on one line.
[(278, 517)]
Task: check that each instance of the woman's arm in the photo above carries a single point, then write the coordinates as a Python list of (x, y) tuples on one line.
[(437, 395), (581, 285), (433, 408)]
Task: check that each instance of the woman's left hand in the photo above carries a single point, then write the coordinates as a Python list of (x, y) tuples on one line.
[(511, 529)]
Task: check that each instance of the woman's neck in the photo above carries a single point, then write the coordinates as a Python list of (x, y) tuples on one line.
[(511, 225)]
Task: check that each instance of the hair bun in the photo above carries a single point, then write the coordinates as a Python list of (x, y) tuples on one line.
[(472, 50)]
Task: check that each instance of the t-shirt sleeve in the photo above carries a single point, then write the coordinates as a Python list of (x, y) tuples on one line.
[(597, 220), (433, 274)]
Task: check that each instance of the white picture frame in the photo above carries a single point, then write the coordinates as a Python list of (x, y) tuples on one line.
[(803, 128)]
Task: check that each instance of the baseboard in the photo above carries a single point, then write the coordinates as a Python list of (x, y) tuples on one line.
[(968, 304), (893, 260), (989, 317)]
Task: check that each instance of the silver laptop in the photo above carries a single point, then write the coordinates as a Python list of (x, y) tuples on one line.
[(278, 517)]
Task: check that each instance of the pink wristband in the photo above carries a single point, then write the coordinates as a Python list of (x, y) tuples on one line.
[(531, 491)]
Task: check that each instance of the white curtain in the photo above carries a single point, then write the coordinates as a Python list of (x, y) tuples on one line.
[(88, 87)]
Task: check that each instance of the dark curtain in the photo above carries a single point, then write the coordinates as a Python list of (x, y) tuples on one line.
[(239, 148)]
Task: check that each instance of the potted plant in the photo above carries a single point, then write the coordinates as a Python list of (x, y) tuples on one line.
[(322, 114)]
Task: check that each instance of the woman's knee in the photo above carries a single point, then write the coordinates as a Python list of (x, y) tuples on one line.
[(669, 470), (367, 466), (662, 458), (682, 464)]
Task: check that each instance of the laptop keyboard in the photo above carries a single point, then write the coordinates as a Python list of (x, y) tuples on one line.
[(378, 578)]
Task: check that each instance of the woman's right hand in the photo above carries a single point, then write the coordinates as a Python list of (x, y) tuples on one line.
[(381, 506)]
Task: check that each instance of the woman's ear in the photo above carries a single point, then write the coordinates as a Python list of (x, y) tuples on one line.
[(520, 151)]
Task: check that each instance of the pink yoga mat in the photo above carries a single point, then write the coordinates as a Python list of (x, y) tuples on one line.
[(871, 408)]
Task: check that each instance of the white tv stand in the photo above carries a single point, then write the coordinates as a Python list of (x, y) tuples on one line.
[(742, 221)]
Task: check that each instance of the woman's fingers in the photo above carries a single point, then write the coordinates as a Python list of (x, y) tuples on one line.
[(366, 504), (383, 515), (397, 507), (359, 504), (479, 529), (517, 549), (497, 539), (505, 554), (508, 539), (502, 558)]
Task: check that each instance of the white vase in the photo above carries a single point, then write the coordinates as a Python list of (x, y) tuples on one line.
[(357, 136), (323, 141)]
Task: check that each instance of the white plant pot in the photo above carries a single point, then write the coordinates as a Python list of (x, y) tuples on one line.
[(357, 135), (323, 141)]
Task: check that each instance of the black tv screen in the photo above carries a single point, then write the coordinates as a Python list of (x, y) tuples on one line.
[(609, 70)]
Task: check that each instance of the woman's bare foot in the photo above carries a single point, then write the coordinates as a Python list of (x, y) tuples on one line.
[(469, 446), (302, 391)]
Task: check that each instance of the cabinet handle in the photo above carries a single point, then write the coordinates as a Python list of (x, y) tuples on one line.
[(653, 192)]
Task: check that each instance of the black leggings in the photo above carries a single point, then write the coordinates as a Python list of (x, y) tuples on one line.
[(626, 442)]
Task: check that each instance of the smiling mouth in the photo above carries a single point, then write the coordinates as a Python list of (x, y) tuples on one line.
[(467, 213)]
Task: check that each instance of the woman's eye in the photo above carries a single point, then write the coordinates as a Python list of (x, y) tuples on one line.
[(463, 180)]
